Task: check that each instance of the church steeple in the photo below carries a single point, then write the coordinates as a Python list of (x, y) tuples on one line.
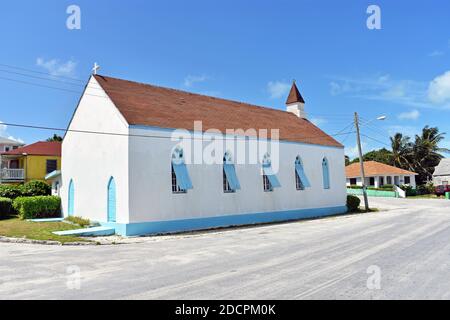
[(295, 102), (294, 95)]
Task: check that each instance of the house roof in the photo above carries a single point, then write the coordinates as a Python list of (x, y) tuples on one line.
[(443, 169), (8, 141), (41, 148), (143, 104), (373, 168), (294, 95)]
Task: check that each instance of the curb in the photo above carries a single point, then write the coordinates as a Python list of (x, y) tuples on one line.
[(45, 242)]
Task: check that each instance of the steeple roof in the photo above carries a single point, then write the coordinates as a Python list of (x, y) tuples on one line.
[(294, 95)]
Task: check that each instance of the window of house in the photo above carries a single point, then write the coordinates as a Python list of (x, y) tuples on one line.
[(381, 181), (389, 180), (353, 181), (372, 181), (325, 174), (51, 166), (181, 181), (270, 180), (7, 149), (301, 180), (230, 181), (407, 180)]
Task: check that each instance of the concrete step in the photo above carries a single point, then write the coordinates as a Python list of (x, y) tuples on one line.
[(47, 220), (87, 232)]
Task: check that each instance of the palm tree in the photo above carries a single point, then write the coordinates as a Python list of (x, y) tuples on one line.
[(401, 151), (427, 153)]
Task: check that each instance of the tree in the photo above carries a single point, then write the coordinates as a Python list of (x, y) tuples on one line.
[(427, 153), (401, 151), (55, 138)]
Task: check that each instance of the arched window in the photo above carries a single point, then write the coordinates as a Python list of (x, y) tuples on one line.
[(270, 180), (229, 177), (326, 173), (181, 181), (301, 180), (111, 200), (70, 200)]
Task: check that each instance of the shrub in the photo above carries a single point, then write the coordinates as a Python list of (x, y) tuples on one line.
[(36, 188), (387, 187), (10, 191), (353, 203), (6, 208), (38, 207)]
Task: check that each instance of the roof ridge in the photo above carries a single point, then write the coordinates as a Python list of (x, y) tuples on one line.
[(198, 94)]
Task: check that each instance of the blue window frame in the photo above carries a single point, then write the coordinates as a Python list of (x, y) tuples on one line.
[(301, 179), (270, 180), (71, 195), (326, 173), (230, 179), (111, 200), (181, 182)]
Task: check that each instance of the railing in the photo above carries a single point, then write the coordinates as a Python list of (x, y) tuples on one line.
[(12, 174)]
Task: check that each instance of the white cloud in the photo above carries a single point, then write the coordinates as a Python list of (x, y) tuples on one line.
[(411, 115), (353, 152), (4, 133), (57, 68), (190, 80), (278, 89), (439, 89), (436, 53)]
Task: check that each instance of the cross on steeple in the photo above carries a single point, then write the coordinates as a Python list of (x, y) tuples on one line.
[(95, 68)]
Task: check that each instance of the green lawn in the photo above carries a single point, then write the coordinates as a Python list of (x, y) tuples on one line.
[(17, 228), (426, 196)]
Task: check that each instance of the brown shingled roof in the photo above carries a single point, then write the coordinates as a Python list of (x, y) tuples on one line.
[(41, 148), (143, 104), (294, 95), (373, 168)]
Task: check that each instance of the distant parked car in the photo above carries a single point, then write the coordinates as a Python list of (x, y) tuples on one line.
[(441, 190)]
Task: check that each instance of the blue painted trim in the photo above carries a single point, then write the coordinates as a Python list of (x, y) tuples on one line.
[(143, 127), (144, 228)]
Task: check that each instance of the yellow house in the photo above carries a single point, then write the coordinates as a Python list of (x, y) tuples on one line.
[(31, 162)]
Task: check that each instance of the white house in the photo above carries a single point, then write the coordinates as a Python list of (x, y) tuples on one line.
[(124, 166), (441, 175), (379, 174)]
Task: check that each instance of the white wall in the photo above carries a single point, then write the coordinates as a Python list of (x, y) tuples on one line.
[(91, 159), (151, 197)]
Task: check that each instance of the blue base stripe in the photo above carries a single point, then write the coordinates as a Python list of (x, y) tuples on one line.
[(158, 227)]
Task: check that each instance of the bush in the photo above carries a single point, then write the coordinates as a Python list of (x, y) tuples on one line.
[(10, 191), (38, 207), (36, 188), (6, 208), (353, 203)]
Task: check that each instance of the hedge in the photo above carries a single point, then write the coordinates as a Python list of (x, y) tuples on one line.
[(353, 203), (38, 207), (29, 189), (6, 208)]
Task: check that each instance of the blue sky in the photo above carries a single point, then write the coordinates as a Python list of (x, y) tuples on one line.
[(244, 50)]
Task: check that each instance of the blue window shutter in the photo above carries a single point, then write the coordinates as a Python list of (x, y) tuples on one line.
[(111, 200), (271, 176), (302, 175), (230, 172), (70, 209), (326, 174), (183, 179)]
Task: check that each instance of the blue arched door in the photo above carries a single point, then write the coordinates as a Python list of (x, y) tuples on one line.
[(326, 174), (70, 209), (111, 200)]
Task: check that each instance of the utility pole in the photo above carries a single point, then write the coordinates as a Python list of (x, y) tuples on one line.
[(361, 162)]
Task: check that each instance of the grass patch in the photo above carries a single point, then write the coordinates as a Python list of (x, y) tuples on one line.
[(16, 228), (426, 196), (79, 221)]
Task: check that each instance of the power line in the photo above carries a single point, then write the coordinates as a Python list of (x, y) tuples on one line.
[(40, 72), (137, 135)]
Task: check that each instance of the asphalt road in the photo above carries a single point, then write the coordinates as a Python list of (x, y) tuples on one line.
[(402, 253)]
